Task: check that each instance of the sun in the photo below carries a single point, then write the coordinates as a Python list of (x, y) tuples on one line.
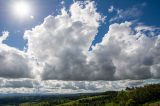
[(21, 9)]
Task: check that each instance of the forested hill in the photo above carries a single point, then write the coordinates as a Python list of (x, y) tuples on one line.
[(149, 95)]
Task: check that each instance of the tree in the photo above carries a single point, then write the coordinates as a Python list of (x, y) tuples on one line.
[(130, 102)]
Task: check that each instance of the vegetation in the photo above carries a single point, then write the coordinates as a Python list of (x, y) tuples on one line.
[(148, 95), (92, 101), (139, 96)]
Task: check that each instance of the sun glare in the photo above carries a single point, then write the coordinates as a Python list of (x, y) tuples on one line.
[(21, 9)]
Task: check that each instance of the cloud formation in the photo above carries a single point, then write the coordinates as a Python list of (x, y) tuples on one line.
[(56, 86), (58, 55), (128, 14), (133, 54), (4, 36), (14, 63), (125, 52), (26, 83), (65, 40)]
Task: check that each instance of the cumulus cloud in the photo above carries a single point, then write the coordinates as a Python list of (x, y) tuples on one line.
[(133, 54), (14, 63), (65, 40)]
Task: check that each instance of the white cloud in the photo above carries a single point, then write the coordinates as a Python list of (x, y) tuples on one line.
[(4, 36), (16, 83), (110, 10), (126, 14), (132, 53), (56, 86), (65, 40), (14, 63)]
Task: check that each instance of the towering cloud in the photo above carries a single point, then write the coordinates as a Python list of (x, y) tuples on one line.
[(61, 42)]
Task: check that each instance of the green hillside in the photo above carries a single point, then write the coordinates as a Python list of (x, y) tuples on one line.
[(101, 100), (149, 95)]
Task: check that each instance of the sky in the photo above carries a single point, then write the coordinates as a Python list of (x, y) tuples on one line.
[(72, 46)]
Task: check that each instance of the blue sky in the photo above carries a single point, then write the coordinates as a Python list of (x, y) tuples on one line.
[(78, 46), (149, 15)]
